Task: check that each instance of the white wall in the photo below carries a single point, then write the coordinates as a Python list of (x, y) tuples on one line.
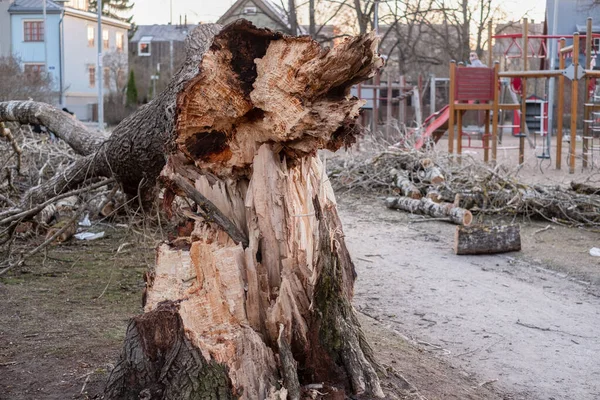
[(78, 56)]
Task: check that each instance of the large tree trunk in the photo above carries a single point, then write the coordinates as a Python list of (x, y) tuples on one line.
[(256, 302)]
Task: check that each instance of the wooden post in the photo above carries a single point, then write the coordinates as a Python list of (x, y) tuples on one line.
[(586, 109), (560, 105), (495, 111), (524, 92), (417, 105), (490, 48), (451, 108), (388, 108), (432, 90), (486, 137), (574, 94)]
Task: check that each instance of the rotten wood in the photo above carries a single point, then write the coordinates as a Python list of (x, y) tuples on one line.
[(483, 239)]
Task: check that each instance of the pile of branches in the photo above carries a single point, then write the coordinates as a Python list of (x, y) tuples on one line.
[(471, 185), (30, 156)]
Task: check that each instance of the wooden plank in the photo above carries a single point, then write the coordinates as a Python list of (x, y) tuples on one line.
[(464, 106), (524, 92), (451, 109), (496, 111), (509, 106), (574, 94), (530, 74)]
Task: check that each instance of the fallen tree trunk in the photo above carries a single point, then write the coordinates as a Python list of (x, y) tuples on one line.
[(487, 239), (425, 206)]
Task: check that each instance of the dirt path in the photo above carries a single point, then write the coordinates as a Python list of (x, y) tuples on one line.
[(524, 329)]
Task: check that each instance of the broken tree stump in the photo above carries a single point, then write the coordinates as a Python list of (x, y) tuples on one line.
[(426, 206), (481, 239), (254, 301)]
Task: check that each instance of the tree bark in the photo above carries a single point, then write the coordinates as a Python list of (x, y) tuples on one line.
[(426, 206), (487, 239)]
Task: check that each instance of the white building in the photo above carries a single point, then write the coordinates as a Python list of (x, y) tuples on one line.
[(71, 47)]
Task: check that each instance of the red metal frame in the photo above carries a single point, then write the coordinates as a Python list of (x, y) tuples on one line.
[(542, 51)]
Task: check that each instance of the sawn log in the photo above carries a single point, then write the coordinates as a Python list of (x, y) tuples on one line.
[(425, 206), (481, 239)]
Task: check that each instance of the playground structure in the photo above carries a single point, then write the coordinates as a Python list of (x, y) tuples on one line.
[(479, 89)]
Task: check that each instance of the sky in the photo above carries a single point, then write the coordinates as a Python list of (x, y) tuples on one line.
[(147, 12)]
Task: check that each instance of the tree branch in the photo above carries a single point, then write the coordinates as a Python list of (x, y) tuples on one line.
[(67, 128), (209, 211)]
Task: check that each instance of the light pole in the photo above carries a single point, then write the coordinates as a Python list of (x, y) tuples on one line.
[(551, 81), (46, 71), (100, 70)]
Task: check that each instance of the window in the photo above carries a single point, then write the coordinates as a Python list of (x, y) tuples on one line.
[(596, 44), (106, 78), (249, 10), (105, 39), (33, 71), (119, 41), (92, 75), (33, 31), (144, 48), (90, 36)]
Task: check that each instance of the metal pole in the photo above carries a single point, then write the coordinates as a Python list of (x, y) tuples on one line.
[(551, 82), (45, 41), (100, 70)]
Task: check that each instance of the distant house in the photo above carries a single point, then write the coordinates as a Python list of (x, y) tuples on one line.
[(156, 52), (262, 13), (267, 14), (71, 46), (5, 28), (572, 17)]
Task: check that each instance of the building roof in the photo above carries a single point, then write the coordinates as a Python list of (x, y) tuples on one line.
[(272, 10), (56, 6), (34, 6), (162, 33)]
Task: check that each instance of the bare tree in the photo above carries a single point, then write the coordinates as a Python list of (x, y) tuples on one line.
[(17, 83), (117, 64)]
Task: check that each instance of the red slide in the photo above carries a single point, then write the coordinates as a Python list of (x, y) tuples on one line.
[(434, 127)]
